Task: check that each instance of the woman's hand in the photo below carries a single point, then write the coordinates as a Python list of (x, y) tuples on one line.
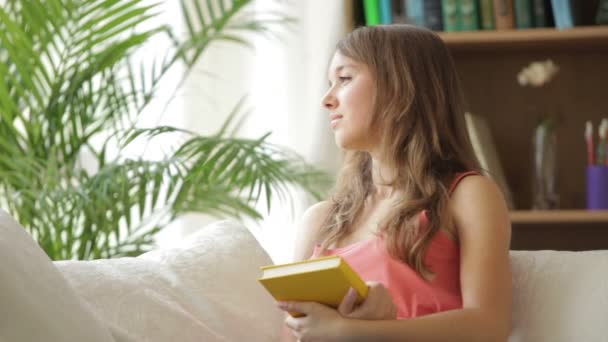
[(378, 305), (320, 323)]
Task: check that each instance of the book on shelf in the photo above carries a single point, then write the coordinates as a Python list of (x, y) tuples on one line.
[(565, 13), (426, 13), (432, 15), (486, 8), (524, 14), (602, 13), (503, 14), (452, 20), (324, 280), (386, 11), (469, 12), (371, 9), (539, 13), (486, 153)]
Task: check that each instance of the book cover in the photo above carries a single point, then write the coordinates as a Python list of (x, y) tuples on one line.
[(487, 14), (486, 153), (524, 14), (386, 11), (503, 14), (565, 13), (399, 12), (433, 18), (323, 280), (469, 13), (452, 20), (415, 11), (358, 14), (539, 13), (371, 8), (602, 13)]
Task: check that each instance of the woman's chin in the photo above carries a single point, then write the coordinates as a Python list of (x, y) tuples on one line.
[(340, 141), (343, 143)]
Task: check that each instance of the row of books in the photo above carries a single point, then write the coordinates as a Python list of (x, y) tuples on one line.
[(472, 15)]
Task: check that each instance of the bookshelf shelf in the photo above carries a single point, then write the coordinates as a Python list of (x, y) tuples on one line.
[(584, 37), (559, 216), (568, 230)]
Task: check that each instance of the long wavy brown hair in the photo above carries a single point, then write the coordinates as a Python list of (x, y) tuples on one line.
[(419, 111)]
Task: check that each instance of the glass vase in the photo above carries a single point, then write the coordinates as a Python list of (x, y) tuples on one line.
[(544, 187)]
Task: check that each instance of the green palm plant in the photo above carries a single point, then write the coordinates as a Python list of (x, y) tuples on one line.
[(68, 78)]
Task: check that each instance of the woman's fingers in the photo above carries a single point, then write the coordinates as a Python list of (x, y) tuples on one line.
[(348, 303), (377, 305)]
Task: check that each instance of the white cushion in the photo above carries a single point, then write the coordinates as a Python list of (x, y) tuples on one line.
[(36, 302), (560, 296), (205, 289)]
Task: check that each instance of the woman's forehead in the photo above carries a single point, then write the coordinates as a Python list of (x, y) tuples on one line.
[(340, 62)]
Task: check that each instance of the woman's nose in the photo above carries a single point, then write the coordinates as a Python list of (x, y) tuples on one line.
[(329, 101)]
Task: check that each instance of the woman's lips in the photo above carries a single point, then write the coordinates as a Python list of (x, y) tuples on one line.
[(334, 120)]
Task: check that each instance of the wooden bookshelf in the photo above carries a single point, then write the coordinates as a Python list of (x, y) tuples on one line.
[(559, 216), (487, 63), (540, 39), (577, 94)]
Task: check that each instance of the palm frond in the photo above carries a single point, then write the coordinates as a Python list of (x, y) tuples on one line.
[(70, 74)]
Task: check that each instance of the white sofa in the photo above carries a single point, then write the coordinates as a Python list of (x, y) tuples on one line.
[(206, 290)]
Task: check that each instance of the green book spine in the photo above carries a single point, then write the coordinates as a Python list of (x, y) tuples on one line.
[(469, 11), (523, 14), (371, 9), (487, 14), (451, 15)]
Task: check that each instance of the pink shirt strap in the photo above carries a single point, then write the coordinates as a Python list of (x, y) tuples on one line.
[(458, 178)]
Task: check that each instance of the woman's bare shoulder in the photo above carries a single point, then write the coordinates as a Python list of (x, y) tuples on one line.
[(308, 229), (318, 212), (477, 199), (476, 189)]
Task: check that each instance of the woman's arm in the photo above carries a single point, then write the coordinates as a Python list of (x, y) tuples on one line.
[(306, 237), (484, 233)]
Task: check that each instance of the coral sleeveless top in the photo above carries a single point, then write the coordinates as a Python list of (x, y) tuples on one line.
[(413, 295)]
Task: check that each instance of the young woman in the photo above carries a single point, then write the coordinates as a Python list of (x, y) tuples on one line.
[(411, 213)]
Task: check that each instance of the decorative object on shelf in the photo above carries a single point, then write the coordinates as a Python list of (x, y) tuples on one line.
[(537, 73), (544, 180), (545, 166), (486, 152), (597, 167)]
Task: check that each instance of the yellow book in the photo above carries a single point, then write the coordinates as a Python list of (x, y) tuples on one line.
[(324, 280)]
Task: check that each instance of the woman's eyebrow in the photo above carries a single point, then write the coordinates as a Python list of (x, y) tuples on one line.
[(341, 67)]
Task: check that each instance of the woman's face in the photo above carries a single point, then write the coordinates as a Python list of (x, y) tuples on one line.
[(350, 102)]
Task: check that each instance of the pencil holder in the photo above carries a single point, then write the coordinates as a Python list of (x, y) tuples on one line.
[(597, 187)]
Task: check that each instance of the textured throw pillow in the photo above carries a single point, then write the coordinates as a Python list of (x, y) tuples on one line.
[(205, 289), (36, 302), (560, 296)]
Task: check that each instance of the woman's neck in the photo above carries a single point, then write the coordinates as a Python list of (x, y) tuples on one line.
[(384, 180)]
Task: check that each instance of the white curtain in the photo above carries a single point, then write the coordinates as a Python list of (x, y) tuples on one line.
[(284, 80)]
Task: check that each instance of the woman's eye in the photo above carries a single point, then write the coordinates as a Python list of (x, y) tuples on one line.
[(344, 78)]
